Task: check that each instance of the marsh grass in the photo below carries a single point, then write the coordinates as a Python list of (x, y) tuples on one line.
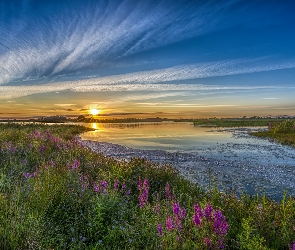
[(57, 194), (283, 132)]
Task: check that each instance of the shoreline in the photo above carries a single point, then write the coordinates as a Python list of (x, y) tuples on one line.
[(227, 174)]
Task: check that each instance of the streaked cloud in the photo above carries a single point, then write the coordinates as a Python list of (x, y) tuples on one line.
[(155, 80)]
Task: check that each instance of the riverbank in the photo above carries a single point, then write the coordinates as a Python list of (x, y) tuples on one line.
[(238, 161), (57, 193)]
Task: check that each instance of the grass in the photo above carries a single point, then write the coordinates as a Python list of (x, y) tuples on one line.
[(236, 122), (283, 132), (57, 194)]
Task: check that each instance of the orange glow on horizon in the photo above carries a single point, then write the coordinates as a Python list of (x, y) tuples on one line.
[(94, 111)]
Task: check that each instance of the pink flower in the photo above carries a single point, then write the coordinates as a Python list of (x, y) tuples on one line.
[(160, 230), (207, 242), (169, 223)]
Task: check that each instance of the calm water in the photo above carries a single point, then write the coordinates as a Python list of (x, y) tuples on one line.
[(235, 159)]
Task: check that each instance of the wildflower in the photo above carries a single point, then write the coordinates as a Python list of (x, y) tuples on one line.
[(123, 186), (169, 223), (196, 220), (175, 208), (130, 240), (73, 239), (208, 211), (128, 192), (182, 213), (197, 215), (76, 164), (27, 175), (167, 191), (220, 224), (84, 239), (198, 210), (160, 230), (207, 242), (42, 149), (104, 185), (143, 193), (178, 222), (116, 184), (99, 242)]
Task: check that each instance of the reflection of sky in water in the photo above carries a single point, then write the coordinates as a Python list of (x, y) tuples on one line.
[(184, 137), (236, 159)]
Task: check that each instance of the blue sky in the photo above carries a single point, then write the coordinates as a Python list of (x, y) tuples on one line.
[(174, 58)]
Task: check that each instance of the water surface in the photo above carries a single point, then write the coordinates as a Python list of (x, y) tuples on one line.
[(230, 157)]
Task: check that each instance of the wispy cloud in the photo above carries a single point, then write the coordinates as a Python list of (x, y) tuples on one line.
[(75, 35), (159, 80)]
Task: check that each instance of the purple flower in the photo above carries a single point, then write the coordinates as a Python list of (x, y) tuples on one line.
[(128, 192), (123, 186), (208, 211), (175, 208), (182, 213), (207, 242), (169, 223), (95, 188), (146, 183), (219, 223), (198, 210), (116, 184), (42, 149), (76, 164), (196, 220), (197, 217), (160, 230), (143, 193), (178, 222), (27, 175), (104, 185)]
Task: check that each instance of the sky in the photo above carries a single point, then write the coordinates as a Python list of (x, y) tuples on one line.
[(147, 58)]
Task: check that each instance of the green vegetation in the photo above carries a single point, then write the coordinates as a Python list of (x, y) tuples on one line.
[(283, 132), (57, 194), (236, 122)]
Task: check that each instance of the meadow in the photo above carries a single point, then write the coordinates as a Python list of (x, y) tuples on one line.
[(57, 194), (237, 122)]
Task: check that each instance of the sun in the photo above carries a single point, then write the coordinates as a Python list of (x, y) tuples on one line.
[(94, 111)]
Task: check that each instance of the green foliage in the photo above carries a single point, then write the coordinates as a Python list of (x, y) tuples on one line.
[(283, 132), (248, 240), (57, 194), (236, 122)]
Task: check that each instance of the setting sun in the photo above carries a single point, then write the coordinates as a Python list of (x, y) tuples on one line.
[(94, 111)]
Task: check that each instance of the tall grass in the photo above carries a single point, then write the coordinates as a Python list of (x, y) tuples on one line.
[(57, 194), (283, 132)]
